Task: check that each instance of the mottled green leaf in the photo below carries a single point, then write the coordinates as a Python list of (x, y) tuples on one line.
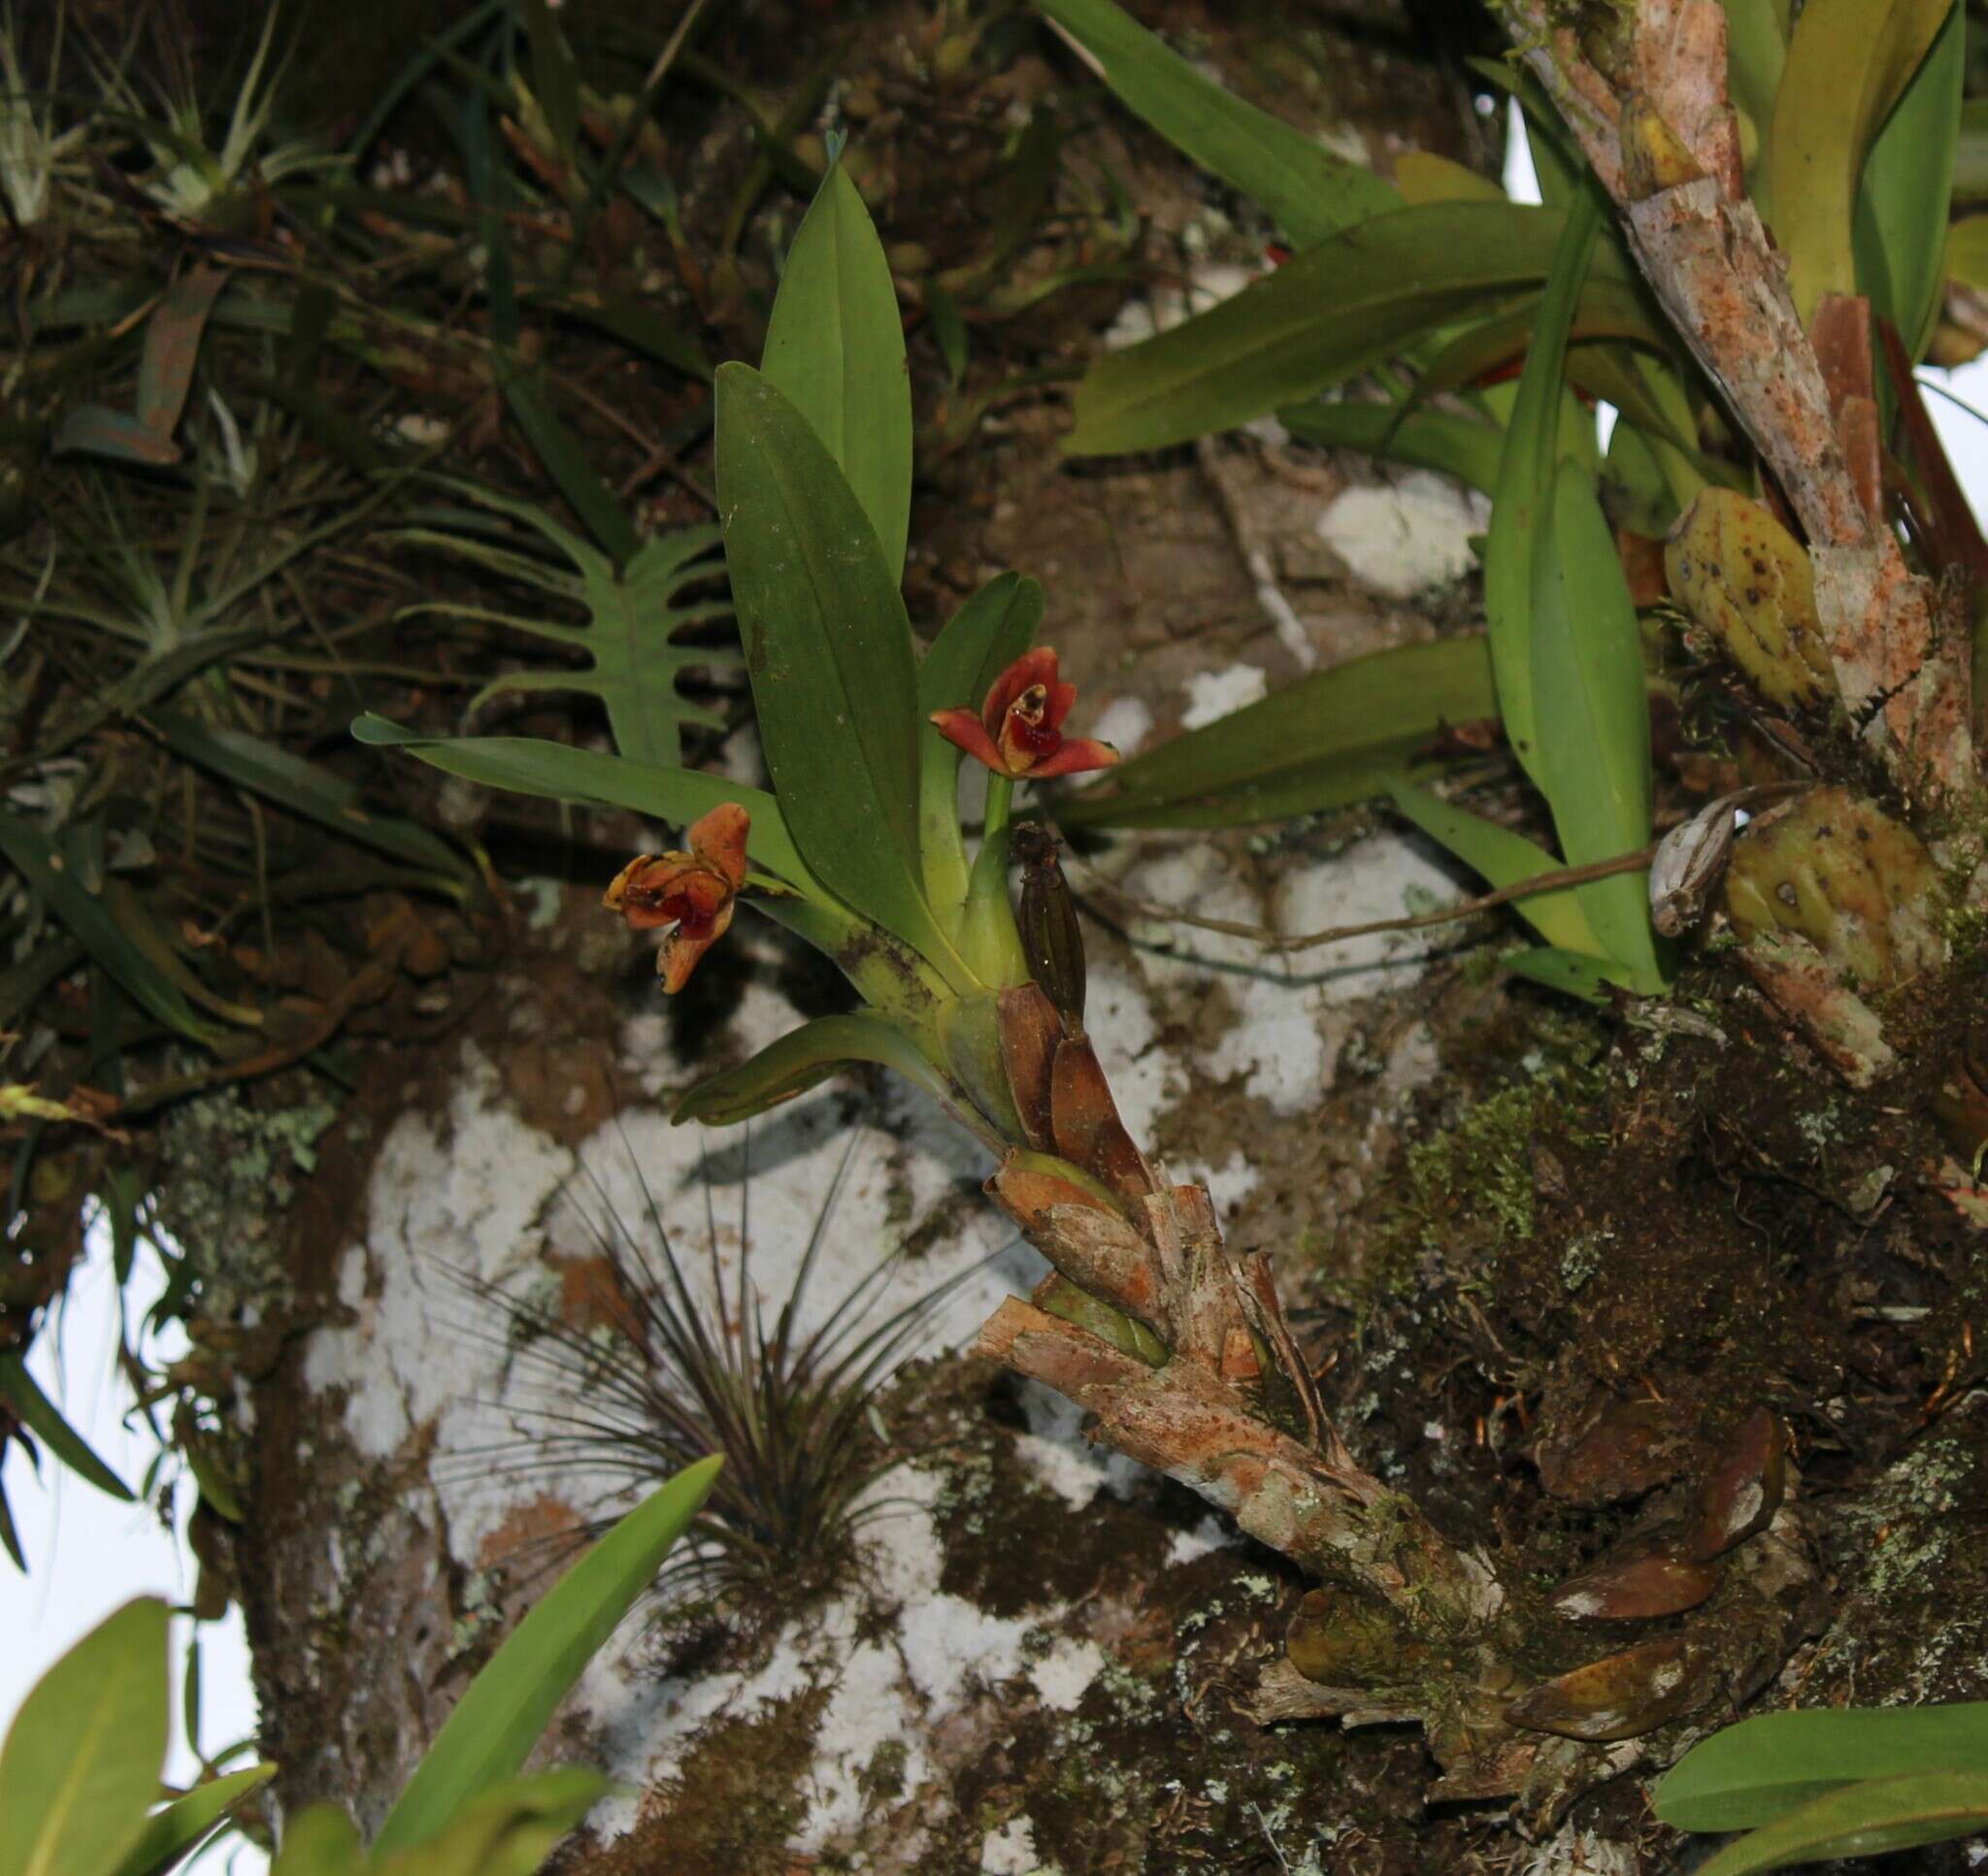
[(506, 1709), (81, 1766), (1308, 191), (1338, 735), (172, 342), (835, 346)]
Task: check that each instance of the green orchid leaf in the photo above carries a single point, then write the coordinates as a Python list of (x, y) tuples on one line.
[(1338, 735), (175, 1831), (975, 646), (304, 788), (1871, 1819), (1504, 859), (1309, 193), (1762, 1768), (800, 1060), (1971, 153), (829, 650), (10, 1537), (1900, 229), (507, 1706), (1756, 55), (586, 777), (92, 924), (1520, 507), (629, 320), (555, 79), (1570, 973), (509, 1831), (1607, 309), (836, 348), (320, 1841), (1848, 64), (1588, 684), (1361, 297), (81, 1766), (565, 460), (1454, 445), (1967, 251), (635, 613), (44, 1419)]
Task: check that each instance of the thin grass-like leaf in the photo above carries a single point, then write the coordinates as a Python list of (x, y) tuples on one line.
[(1871, 1819), (44, 1419), (194, 1818)]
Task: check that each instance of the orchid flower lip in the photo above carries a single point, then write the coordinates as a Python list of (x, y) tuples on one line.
[(1017, 732), (691, 893)]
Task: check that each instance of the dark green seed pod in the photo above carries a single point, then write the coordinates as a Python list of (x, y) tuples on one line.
[(1050, 939)]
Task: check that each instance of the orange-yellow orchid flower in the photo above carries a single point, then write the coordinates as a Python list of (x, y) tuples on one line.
[(692, 891), (1019, 729)]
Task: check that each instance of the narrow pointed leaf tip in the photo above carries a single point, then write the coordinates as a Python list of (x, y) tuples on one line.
[(1018, 731)]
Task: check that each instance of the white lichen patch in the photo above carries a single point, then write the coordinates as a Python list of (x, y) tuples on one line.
[(1166, 306), (1063, 1676), (1011, 1851), (895, 1692), (1403, 538), (1212, 695), (1125, 723)]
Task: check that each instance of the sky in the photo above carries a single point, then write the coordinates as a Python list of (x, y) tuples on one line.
[(87, 1554)]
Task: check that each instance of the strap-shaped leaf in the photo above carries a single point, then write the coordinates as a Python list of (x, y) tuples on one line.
[(1848, 64), (975, 646), (1503, 858), (81, 1766), (1308, 190), (44, 1419), (828, 649), (1593, 707), (1359, 297), (1900, 230), (801, 1059), (320, 1841), (836, 347), (92, 925), (557, 771), (174, 1830), (510, 1830), (1462, 446), (304, 788), (1520, 507), (1335, 737), (1764, 1768), (1867, 1820), (507, 1708), (565, 460)]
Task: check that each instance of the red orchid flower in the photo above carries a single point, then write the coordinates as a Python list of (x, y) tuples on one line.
[(692, 891), (1019, 729)]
